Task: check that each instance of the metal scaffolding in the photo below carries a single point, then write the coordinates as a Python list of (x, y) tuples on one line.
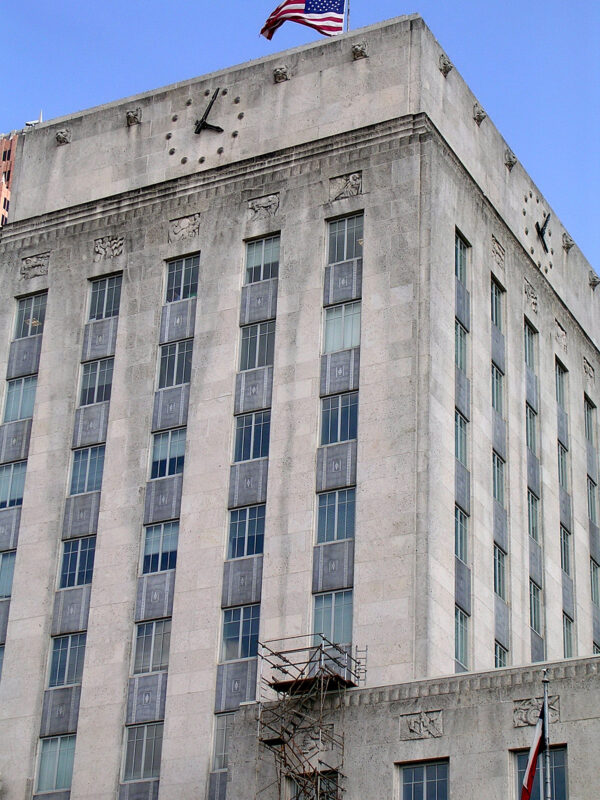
[(302, 680)]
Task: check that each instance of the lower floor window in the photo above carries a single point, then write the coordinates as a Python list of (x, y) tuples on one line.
[(461, 637), (56, 763), (322, 786), (333, 616), (222, 731), (500, 655), (425, 781), (144, 748), (558, 774)]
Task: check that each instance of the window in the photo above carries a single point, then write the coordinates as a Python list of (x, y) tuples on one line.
[(322, 786), (563, 480), (175, 363), (20, 397), (533, 516), (531, 428), (591, 496), (558, 774), (500, 655), (335, 518), (500, 572), (96, 381), (460, 534), (240, 632), (160, 547), (56, 763), (425, 781), (498, 478), (144, 748), (12, 483), (1, 659), (152, 642), (529, 337), (496, 297), (565, 550), (66, 665), (590, 420), (246, 531), (262, 259), (535, 607), (460, 346), (258, 345), (252, 433), (222, 733), (88, 465), (342, 327), (182, 278), (345, 239), (168, 453), (561, 384), (595, 582), (497, 390), (595, 649), (31, 314), (339, 418), (7, 570), (461, 249), (567, 636), (461, 632), (106, 297), (460, 437), (77, 562), (333, 616)]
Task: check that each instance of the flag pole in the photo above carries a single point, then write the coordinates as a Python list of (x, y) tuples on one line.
[(347, 15), (548, 783)]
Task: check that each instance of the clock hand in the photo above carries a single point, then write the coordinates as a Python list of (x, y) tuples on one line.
[(545, 225), (541, 232), (210, 127), (202, 123)]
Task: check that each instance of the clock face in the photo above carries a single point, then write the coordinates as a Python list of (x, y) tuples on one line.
[(537, 231)]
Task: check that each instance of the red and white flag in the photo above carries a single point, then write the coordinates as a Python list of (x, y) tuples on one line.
[(325, 16), (536, 747)]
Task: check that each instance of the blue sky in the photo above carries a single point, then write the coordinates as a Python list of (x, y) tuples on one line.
[(534, 66)]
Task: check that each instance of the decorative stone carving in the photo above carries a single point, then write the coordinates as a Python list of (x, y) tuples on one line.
[(281, 74), (589, 370), (560, 335), (63, 136), (310, 740), (34, 266), (266, 206), (530, 295), (526, 712), (424, 725), (108, 247), (593, 279), (345, 186), (184, 228), (478, 114), (359, 50), (133, 116), (567, 242), (510, 159), (445, 65), (498, 252)]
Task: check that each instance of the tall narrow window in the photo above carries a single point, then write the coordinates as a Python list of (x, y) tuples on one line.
[(223, 724), (592, 491), (7, 570), (339, 418), (461, 637), (496, 304), (66, 665), (460, 437), (246, 531), (345, 239), (589, 410), (533, 516), (595, 582), (240, 632), (77, 562), (498, 478), (565, 550), (182, 278), (558, 774), (497, 390), (258, 345), (563, 475), (56, 763), (12, 484), (143, 751), (152, 643), (88, 466), (500, 572), (500, 655), (1, 659), (529, 337), (567, 636), (535, 607), (336, 516), (31, 315), (461, 249), (252, 432), (460, 534), (105, 297), (175, 363), (333, 616), (96, 381), (342, 327), (262, 259), (20, 397), (561, 380), (168, 453), (160, 547), (460, 346), (531, 428)]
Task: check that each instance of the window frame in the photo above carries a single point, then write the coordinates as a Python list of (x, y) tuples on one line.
[(221, 735), (110, 307), (461, 637), (170, 556), (84, 562), (460, 346), (100, 392), (173, 461), (589, 416), (145, 771), (175, 363), (342, 326), (92, 476), (461, 534), (461, 452), (186, 287), (273, 271), (71, 667), (497, 390), (7, 572), (68, 740), (529, 344), (257, 345), (341, 616), (563, 467), (522, 757), (496, 310), (253, 437), (533, 516), (560, 376), (461, 257), (531, 429), (248, 627), (341, 512), (535, 607), (253, 524), (15, 411), (498, 478), (500, 572), (592, 498), (152, 643), (500, 655), (34, 324), (339, 418), (15, 484), (352, 245), (568, 630), (595, 582)]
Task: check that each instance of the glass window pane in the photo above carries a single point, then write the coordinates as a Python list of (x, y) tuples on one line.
[(7, 569)]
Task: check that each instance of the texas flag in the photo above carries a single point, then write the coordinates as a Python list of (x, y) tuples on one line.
[(538, 738)]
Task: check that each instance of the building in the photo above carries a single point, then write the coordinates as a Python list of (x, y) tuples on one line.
[(270, 336), (8, 148)]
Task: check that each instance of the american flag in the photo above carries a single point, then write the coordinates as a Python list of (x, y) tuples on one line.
[(325, 16)]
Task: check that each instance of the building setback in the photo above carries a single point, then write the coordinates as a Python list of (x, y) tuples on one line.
[(257, 374), (8, 148)]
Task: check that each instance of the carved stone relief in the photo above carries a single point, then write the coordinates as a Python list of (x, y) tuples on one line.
[(445, 65), (281, 74), (526, 712), (108, 247), (478, 114), (133, 116), (567, 242), (345, 186), (560, 335), (34, 266), (424, 725), (184, 228), (266, 206), (359, 50), (510, 159), (498, 252), (530, 295), (63, 136), (593, 279), (589, 370)]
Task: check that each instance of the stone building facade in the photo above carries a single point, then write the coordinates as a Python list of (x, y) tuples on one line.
[(257, 373)]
